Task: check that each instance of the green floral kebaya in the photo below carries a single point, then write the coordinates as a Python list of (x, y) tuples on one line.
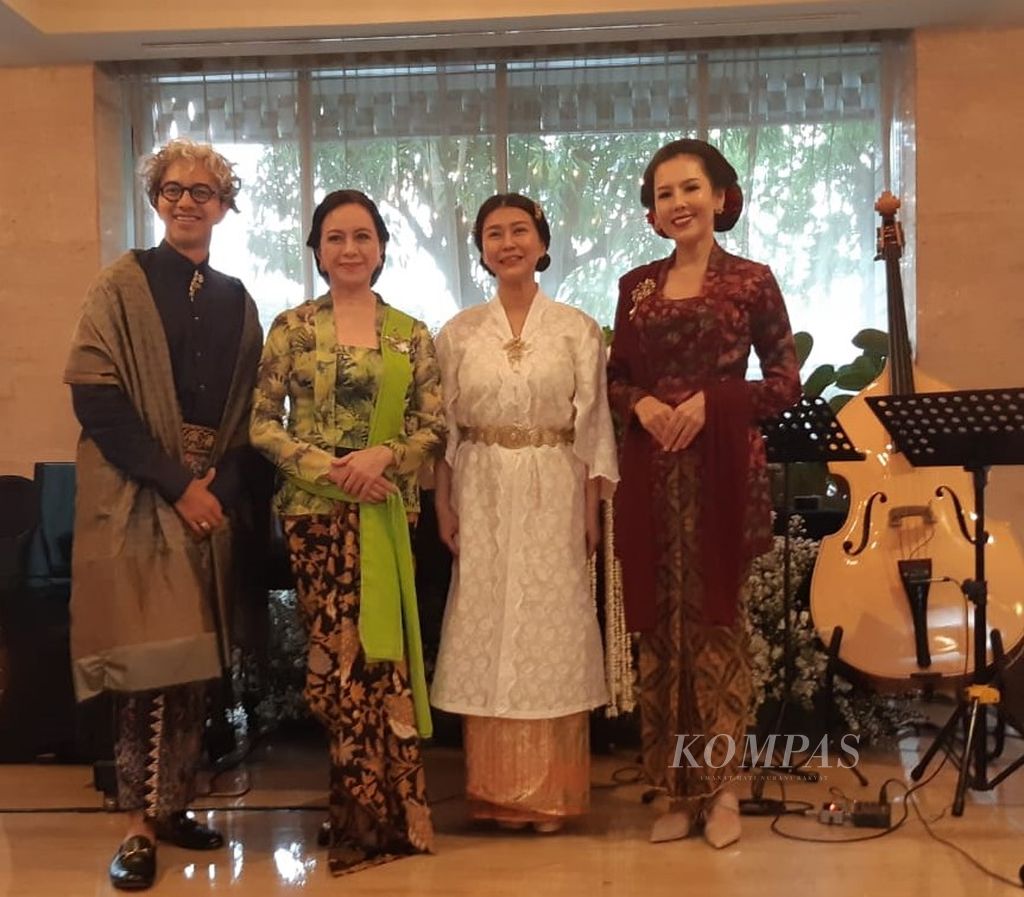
[(330, 395)]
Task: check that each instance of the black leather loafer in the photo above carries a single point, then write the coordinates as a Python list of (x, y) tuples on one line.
[(182, 830), (133, 867)]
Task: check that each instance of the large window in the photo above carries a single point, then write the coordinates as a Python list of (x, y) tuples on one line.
[(806, 125)]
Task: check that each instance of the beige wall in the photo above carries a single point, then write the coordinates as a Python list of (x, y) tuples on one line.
[(49, 248), (970, 219)]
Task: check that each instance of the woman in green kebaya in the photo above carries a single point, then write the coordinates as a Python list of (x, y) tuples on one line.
[(362, 388)]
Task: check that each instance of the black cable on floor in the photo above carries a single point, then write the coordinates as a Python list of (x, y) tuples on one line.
[(874, 836), (962, 851)]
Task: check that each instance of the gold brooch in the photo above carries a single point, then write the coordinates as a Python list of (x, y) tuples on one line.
[(640, 292), (515, 349), (397, 345), (195, 286)]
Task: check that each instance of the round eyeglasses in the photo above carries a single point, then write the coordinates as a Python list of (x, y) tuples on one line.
[(172, 191)]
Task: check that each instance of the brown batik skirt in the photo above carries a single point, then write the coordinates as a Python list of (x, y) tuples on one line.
[(378, 802), (527, 770), (694, 678)]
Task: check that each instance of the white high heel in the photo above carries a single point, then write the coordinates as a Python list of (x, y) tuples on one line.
[(672, 826), (722, 826)]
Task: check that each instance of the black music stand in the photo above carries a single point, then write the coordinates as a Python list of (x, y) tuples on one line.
[(807, 431), (973, 429)]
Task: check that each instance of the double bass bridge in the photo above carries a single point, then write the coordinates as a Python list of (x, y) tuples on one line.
[(911, 512)]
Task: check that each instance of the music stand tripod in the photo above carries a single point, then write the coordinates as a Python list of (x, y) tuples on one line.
[(973, 429), (808, 431)]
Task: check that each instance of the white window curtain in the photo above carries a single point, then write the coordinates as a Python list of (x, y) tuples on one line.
[(807, 125)]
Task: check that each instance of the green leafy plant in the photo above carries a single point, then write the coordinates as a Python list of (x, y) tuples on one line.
[(841, 384), (847, 379)]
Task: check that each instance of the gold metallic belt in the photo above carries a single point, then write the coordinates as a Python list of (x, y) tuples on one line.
[(515, 437)]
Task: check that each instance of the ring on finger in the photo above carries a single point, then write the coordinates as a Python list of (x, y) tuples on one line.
[(203, 525)]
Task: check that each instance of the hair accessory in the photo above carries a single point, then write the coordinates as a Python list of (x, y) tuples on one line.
[(731, 209)]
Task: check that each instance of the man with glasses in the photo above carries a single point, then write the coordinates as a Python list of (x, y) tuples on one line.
[(161, 372)]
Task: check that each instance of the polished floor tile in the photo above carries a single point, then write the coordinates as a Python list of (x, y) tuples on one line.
[(271, 849)]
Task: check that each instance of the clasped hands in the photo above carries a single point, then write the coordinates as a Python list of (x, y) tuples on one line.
[(199, 507), (361, 473), (673, 428)]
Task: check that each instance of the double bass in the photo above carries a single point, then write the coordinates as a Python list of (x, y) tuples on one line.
[(891, 576)]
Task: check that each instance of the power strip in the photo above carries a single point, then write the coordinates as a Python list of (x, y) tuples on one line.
[(871, 814)]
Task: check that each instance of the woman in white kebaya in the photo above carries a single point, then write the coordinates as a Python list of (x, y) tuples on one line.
[(530, 453)]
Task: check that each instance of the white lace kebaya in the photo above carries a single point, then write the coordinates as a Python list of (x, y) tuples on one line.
[(520, 637)]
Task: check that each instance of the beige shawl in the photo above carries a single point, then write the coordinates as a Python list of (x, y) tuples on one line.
[(145, 597)]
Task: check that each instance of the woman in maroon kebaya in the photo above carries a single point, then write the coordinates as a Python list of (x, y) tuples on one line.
[(693, 506)]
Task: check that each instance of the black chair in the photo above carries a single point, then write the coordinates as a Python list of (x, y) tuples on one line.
[(19, 515), (49, 557), (35, 716), (39, 717)]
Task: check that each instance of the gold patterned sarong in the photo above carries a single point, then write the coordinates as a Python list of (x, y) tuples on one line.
[(527, 770)]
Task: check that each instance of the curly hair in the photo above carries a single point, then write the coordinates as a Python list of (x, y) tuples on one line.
[(154, 167)]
